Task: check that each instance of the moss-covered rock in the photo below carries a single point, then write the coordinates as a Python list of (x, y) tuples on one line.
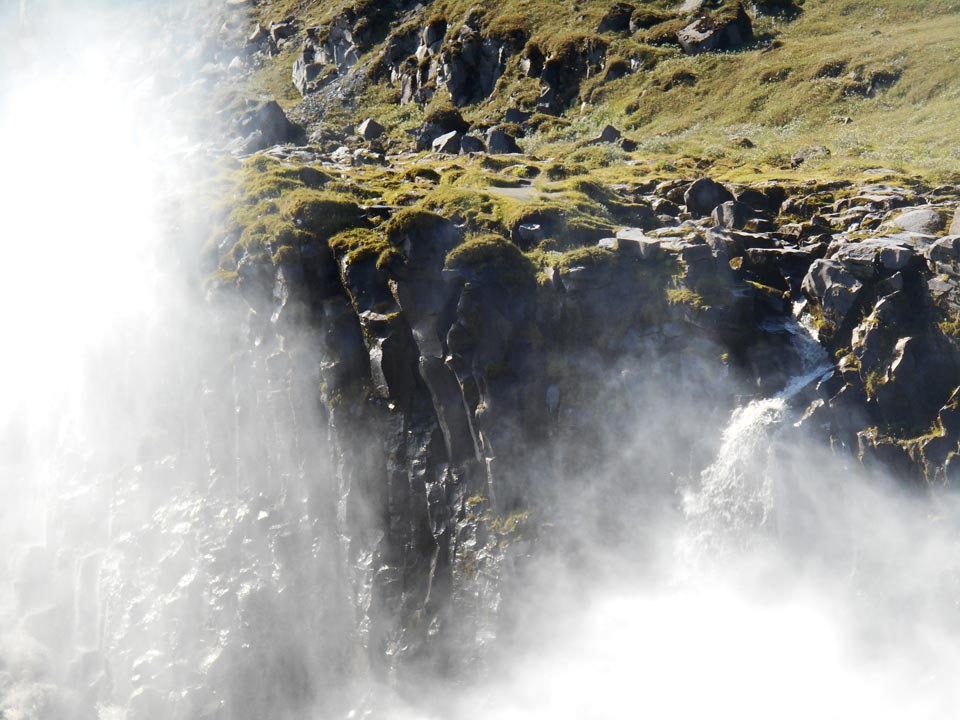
[(320, 213), (492, 259)]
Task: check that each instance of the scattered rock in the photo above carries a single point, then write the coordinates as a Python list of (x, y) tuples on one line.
[(955, 225), (926, 221), (370, 129), (266, 125), (704, 195), (500, 142), (448, 143), (724, 32), (732, 214), (811, 153), (471, 144)]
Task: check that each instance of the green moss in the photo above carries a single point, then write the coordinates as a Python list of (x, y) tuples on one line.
[(412, 222), (494, 259), (571, 219), (389, 259), (221, 278), (872, 382), (478, 211), (271, 232), (357, 243), (569, 49), (318, 212), (663, 33), (685, 296), (647, 17), (416, 172), (586, 257), (442, 112), (482, 180), (286, 255), (513, 30)]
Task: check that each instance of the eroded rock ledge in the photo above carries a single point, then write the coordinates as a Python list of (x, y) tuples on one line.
[(470, 344)]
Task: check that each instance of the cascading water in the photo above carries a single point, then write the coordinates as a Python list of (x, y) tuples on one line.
[(736, 495)]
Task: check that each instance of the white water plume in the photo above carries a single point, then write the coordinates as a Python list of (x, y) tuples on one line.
[(736, 494), (168, 544)]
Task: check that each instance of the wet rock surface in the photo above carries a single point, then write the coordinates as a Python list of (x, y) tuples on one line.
[(396, 408)]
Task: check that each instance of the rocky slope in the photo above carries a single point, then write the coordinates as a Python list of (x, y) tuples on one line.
[(479, 313)]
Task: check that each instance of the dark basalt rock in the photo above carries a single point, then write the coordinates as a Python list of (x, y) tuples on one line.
[(732, 214), (266, 125), (704, 195), (370, 129), (448, 143), (725, 32), (617, 18), (834, 289), (470, 144), (499, 141), (453, 366)]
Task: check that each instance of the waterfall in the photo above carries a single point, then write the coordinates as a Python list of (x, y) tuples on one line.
[(736, 495)]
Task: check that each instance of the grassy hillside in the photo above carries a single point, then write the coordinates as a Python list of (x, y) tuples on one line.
[(877, 83)]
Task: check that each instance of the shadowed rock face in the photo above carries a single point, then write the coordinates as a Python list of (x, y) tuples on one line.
[(725, 32)]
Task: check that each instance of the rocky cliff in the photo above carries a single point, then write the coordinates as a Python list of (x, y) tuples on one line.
[(481, 313), (479, 282)]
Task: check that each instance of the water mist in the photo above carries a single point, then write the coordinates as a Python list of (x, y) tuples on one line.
[(176, 542)]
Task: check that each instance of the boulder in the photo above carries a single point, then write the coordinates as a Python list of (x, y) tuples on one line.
[(833, 288), (471, 144), (516, 116), (925, 221), (863, 259), (281, 31), (723, 32), (448, 143), (436, 125), (946, 250), (370, 129), (704, 195), (955, 225), (764, 199), (608, 135), (266, 125), (500, 142), (633, 241), (732, 214)]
